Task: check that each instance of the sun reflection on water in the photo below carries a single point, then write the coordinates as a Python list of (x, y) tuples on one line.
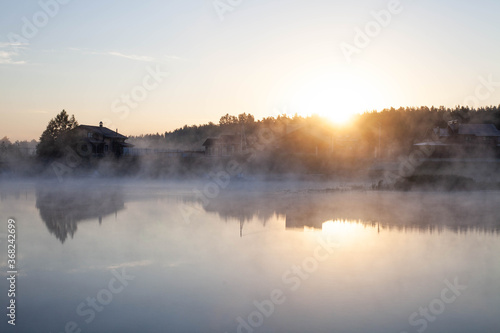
[(345, 229)]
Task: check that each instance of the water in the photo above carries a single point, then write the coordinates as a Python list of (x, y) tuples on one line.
[(146, 257)]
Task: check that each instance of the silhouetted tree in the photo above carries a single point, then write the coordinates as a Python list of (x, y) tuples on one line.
[(5, 144), (228, 120), (245, 118), (50, 145), (397, 130)]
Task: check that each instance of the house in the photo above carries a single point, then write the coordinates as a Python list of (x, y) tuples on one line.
[(100, 141), (224, 145), (465, 140), (469, 133)]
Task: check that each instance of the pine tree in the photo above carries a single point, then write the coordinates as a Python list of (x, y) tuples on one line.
[(51, 140)]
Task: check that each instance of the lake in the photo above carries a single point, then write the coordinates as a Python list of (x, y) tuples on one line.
[(94, 256)]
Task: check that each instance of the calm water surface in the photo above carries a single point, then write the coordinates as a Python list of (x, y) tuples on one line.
[(158, 257)]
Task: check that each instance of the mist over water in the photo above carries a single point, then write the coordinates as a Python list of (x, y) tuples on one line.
[(250, 166), (341, 260)]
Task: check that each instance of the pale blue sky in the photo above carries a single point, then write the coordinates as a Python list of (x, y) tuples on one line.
[(264, 58)]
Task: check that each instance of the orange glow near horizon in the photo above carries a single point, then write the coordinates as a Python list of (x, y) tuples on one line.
[(338, 96)]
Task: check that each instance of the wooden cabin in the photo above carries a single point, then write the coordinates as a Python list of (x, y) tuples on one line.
[(100, 141)]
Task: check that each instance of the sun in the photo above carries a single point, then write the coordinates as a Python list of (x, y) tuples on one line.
[(337, 96)]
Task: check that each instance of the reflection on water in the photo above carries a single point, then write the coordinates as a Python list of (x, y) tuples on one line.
[(62, 208), (431, 212), (361, 261)]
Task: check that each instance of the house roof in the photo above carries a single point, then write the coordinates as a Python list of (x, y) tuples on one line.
[(104, 131), (97, 142), (478, 130)]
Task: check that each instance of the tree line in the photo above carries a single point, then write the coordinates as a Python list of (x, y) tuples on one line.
[(397, 129), (394, 131)]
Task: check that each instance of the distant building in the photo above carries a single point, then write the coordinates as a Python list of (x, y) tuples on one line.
[(469, 133), (464, 139), (224, 145), (101, 141)]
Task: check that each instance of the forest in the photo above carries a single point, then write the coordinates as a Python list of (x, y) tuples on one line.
[(398, 128), (275, 145)]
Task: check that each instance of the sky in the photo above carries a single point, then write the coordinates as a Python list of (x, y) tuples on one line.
[(152, 66)]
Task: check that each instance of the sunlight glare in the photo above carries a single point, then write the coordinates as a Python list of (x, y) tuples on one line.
[(346, 230), (337, 96)]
